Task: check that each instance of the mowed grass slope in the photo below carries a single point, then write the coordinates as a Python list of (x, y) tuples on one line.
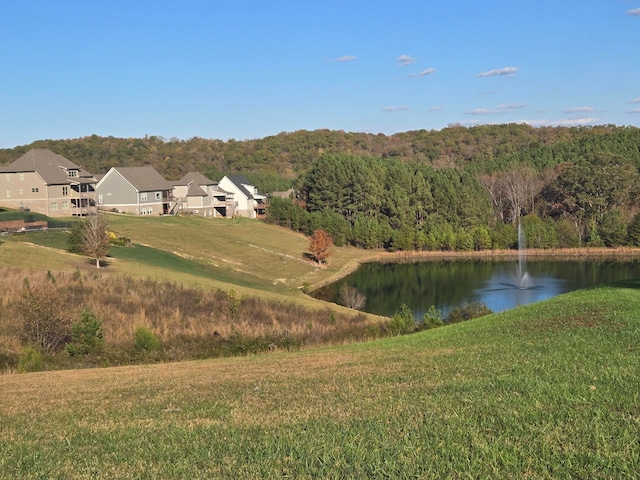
[(549, 390), (248, 255)]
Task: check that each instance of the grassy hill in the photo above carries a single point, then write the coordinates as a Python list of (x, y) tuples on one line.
[(548, 390)]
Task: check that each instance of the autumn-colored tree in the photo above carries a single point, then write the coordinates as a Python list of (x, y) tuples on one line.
[(320, 245)]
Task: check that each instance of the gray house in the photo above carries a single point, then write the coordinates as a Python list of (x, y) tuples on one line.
[(195, 194), (136, 190), (47, 183)]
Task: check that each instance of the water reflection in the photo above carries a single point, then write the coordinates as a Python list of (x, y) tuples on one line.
[(447, 284)]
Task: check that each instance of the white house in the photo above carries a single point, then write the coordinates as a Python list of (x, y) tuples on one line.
[(249, 202)]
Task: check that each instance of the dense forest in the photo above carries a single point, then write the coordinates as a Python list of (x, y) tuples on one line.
[(457, 188)]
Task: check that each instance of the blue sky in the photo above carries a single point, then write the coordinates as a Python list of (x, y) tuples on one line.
[(248, 69)]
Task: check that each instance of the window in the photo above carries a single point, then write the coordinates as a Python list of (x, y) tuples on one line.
[(8, 193), (73, 173), (143, 197), (20, 192), (22, 176), (7, 177), (65, 191), (64, 205), (53, 206), (158, 195), (35, 190)]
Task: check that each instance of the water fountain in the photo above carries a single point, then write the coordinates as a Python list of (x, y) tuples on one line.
[(522, 276)]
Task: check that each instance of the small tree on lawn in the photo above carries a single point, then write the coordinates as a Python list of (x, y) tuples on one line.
[(320, 245), (95, 239)]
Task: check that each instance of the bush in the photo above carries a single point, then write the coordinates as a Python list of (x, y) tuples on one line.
[(45, 322), (145, 340), (30, 361), (86, 335), (431, 319), (402, 321), (467, 312)]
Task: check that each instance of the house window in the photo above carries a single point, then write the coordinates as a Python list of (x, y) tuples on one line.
[(7, 177), (158, 195), (8, 193), (22, 176), (53, 206), (35, 190), (20, 192), (65, 191), (73, 173), (143, 197), (64, 205)]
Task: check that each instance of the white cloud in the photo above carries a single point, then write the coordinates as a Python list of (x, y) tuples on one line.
[(634, 110), (510, 108), (579, 110), (576, 122), (535, 123), (508, 72), (395, 109), (634, 12), (437, 108), (404, 60), (423, 73), (346, 58), (635, 100)]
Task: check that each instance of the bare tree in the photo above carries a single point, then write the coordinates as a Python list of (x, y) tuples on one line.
[(513, 192), (351, 297), (95, 239)]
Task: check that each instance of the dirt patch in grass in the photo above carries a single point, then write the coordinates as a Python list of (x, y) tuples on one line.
[(597, 317)]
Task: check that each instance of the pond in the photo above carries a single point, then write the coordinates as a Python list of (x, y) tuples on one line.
[(500, 284)]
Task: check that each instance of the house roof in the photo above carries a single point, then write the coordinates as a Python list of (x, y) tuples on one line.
[(195, 191), (51, 167), (144, 179), (197, 178), (240, 181)]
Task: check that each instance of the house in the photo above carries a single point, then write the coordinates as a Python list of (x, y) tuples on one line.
[(249, 202), (136, 190), (195, 194), (45, 182)]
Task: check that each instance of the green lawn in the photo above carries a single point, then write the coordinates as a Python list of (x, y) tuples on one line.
[(548, 390)]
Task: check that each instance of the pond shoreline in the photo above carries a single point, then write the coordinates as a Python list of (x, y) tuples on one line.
[(530, 253)]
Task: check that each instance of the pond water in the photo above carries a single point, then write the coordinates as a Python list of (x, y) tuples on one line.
[(499, 284)]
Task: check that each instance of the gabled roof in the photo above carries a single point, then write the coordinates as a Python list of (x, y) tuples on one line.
[(51, 167), (197, 178), (240, 181), (195, 191), (143, 179)]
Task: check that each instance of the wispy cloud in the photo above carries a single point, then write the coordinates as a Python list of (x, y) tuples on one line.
[(437, 108), (346, 58), (634, 110), (395, 109), (508, 108), (579, 110), (405, 60), (635, 100), (576, 122), (634, 12), (508, 72), (423, 73)]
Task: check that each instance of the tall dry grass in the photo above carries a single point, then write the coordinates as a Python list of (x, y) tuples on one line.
[(175, 313)]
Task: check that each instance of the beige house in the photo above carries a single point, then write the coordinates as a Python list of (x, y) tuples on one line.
[(45, 182), (195, 194)]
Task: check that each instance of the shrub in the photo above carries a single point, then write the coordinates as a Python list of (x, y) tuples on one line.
[(431, 319), (45, 322), (351, 297), (402, 321), (86, 335), (467, 312), (145, 340), (30, 361)]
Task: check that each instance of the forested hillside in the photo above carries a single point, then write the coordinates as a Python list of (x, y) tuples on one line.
[(456, 188)]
